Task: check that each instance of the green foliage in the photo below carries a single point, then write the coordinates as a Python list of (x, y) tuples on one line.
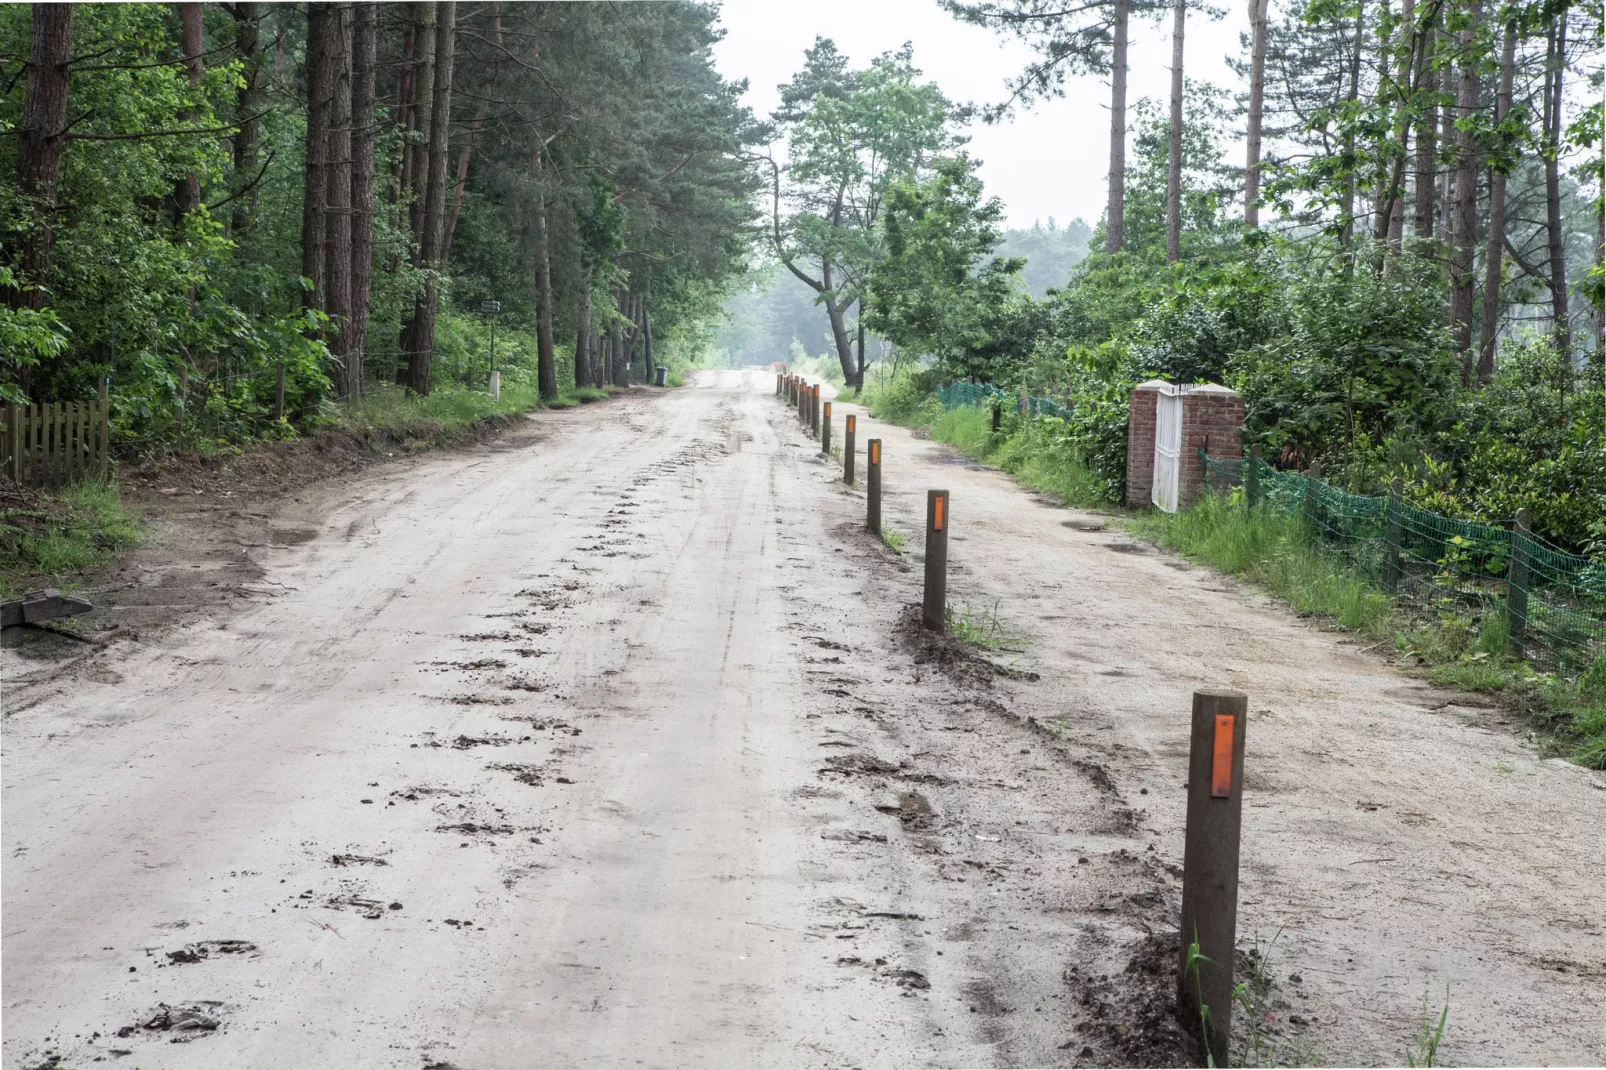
[(982, 629), (47, 541), (939, 289), (1043, 454)]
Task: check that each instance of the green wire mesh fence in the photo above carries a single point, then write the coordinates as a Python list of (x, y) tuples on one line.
[(1550, 604), (957, 395)]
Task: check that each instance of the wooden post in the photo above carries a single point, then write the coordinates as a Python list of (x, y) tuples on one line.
[(1313, 476), (814, 411), (825, 429), (934, 609), (1210, 863), (12, 468), (847, 449), (872, 475), (777, 384), (1252, 477), (998, 416), (1389, 572), (103, 430), (278, 393), (1517, 585)]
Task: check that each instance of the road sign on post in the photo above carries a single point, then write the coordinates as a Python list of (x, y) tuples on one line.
[(494, 383)]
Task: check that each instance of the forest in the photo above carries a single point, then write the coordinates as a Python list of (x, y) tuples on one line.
[(365, 195)]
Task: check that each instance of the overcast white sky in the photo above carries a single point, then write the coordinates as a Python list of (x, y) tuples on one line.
[(1050, 161)]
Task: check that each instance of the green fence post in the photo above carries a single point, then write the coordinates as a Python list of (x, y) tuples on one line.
[(1390, 577), (1252, 477), (1517, 585)]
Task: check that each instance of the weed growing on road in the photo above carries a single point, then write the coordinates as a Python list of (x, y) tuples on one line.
[(1425, 1050), (47, 537), (984, 630), (1191, 966), (1250, 994), (893, 538)]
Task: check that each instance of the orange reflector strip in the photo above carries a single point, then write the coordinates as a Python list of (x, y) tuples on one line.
[(1221, 757), (875, 453), (850, 423), (936, 504)]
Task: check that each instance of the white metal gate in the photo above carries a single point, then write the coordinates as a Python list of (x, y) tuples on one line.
[(1167, 447)]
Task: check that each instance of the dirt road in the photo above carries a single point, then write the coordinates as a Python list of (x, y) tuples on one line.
[(610, 745)]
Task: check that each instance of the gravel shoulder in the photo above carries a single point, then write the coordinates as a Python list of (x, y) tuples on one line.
[(610, 743)]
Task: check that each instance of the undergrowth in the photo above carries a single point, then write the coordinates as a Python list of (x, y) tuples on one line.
[(893, 538), (978, 629), (1268, 547), (46, 538)]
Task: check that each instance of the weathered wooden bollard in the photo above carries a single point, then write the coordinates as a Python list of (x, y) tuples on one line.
[(847, 449), (872, 480), (777, 384), (825, 429), (998, 416), (1210, 865), (934, 610), (814, 411)]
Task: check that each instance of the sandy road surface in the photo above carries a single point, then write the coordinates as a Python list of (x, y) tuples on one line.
[(608, 748)]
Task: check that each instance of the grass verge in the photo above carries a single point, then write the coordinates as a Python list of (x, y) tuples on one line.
[(1268, 548), (47, 538), (1027, 450)]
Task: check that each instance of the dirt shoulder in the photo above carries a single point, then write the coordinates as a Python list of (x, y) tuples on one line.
[(1401, 843)]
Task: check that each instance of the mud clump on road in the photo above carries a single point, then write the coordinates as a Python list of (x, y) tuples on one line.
[(1131, 1017), (202, 950), (187, 1021)]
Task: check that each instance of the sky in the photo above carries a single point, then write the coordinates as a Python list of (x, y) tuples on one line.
[(1049, 161)]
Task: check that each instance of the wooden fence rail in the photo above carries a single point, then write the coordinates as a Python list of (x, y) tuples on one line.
[(52, 444)]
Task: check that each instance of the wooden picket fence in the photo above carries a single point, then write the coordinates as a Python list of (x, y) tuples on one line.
[(53, 444)]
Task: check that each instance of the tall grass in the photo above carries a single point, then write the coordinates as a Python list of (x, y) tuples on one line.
[(1025, 449), (60, 534), (1269, 547)]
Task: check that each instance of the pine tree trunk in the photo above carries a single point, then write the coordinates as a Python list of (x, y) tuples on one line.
[(187, 197), (1465, 219), (1556, 68), (40, 144), (424, 72), (247, 101), (1493, 253), (1346, 237), (646, 340), (1427, 142), (858, 380), (1257, 92), (545, 354), (1173, 180), (402, 116), (1115, 214), (473, 135), (337, 194), (364, 69), (582, 336), (434, 217), (315, 189), (839, 327)]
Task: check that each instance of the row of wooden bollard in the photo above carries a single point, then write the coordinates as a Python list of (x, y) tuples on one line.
[(1215, 762)]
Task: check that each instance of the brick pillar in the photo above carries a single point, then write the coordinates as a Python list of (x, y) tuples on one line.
[(1212, 418), (1140, 443)]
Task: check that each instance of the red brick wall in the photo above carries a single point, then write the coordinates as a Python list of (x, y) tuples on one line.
[(1140, 444), (1214, 419)]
